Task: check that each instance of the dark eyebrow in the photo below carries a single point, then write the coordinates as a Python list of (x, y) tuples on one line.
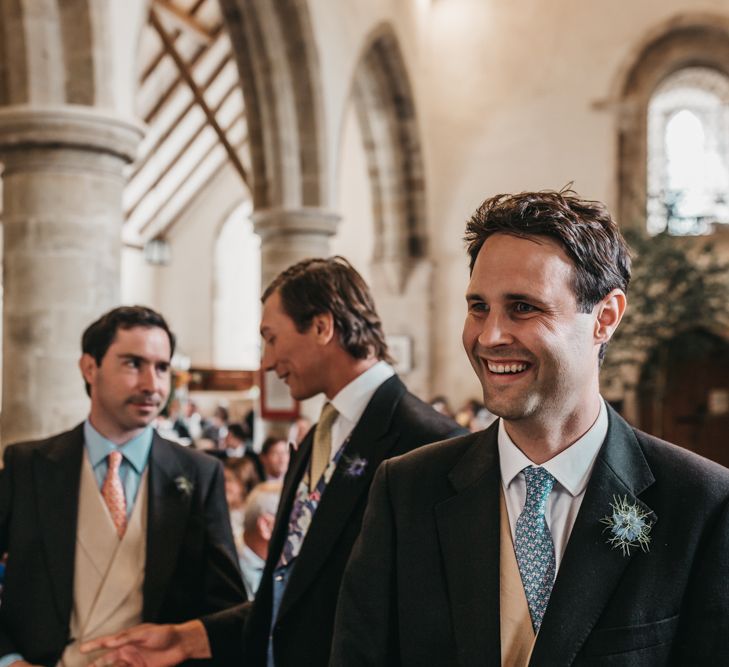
[(514, 296), (525, 297)]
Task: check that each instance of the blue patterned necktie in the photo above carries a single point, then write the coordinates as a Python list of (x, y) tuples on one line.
[(533, 546)]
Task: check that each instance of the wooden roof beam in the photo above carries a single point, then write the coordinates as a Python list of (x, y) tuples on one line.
[(197, 94), (184, 20)]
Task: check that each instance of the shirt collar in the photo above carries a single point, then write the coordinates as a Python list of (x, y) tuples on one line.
[(135, 451), (251, 558), (571, 467), (352, 400)]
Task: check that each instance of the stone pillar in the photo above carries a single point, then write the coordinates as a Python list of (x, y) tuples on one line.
[(62, 217), (290, 235)]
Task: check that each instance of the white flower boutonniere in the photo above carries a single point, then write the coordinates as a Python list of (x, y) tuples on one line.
[(354, 466), (184, 485), (628, 525)]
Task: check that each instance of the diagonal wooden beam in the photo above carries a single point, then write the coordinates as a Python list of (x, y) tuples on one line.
[(180, 152), (184, 20), (181, 184), (142, 160), (193, 62), (197, 94)]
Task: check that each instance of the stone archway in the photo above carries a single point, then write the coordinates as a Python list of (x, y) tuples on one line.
[(687, 41), (402, 272), (385, 108), (278, 63)]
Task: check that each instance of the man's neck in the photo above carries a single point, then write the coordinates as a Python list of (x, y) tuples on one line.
[(256, 544), (541, 441), (346, 372), (110, 432)]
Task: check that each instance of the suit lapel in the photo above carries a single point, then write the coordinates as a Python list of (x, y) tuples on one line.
[(591, 568), (57, 475), (372, 438), (167, 515), (468, 531)]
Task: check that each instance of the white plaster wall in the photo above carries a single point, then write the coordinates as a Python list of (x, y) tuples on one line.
[(185, 286), (510, 97), (139, 280)]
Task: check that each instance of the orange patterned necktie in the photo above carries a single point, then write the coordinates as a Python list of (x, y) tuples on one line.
[(113, 493)]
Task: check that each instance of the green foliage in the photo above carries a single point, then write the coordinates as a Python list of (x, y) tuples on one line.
[(677, 285)]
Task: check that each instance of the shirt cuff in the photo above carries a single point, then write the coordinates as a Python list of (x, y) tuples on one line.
[(9, 659)]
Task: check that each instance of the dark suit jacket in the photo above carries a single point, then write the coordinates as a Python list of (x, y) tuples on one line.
[(191, 563), (422, 586), (394, 422)]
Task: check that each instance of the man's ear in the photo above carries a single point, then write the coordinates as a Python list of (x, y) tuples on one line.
[(264, 523), (609, 313), (323, 326), (88, 367)]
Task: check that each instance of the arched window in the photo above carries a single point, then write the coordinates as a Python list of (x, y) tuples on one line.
[(688, 153), (236, 304)]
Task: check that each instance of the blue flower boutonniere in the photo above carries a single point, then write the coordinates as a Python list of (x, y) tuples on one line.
[(354, 466), (628, 525), (184, 485)]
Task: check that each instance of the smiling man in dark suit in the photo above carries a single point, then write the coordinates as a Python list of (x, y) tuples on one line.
[(560, 535), (322, 335), (108, 524)]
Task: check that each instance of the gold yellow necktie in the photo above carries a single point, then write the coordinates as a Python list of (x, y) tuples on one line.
[(321, 452)]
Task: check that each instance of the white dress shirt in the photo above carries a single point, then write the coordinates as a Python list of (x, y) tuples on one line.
[(571, 470), (251, 567), (352, 400)]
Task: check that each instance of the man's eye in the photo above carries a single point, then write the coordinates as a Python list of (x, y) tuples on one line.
[(522, 308), (132, 363), (163, 368), (478, 307)]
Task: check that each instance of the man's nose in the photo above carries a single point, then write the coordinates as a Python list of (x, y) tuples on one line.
[(267, 360), (495, 330), (149, 380)]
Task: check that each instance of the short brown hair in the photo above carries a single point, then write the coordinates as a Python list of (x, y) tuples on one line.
[(583, 228), (316, 286)]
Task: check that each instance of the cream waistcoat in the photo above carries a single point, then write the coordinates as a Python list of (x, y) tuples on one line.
[(108, 572), (517, 633)]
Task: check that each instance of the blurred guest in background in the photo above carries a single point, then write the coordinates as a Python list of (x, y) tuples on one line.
[(260, 513), (235, 441), (298, 431), (274, 458), (440, 404)]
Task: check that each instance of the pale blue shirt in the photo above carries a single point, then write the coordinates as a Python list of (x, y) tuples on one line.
[(135, 454)]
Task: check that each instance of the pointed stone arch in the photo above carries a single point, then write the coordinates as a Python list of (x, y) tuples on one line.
[(685, 41), (278, 63), (385, 107)]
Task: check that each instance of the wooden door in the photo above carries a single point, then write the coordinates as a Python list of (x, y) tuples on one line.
[(684, 394)]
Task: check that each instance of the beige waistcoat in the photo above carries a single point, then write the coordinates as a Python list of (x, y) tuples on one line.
[(517, 633), (108, 572)]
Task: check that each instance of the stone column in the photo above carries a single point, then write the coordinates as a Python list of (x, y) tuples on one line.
[(290, 235), (62, 217)]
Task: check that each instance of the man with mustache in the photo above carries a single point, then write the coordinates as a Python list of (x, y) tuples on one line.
[(108, 524), (560, 535)]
